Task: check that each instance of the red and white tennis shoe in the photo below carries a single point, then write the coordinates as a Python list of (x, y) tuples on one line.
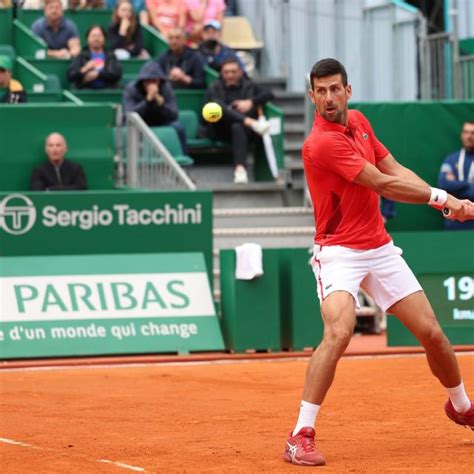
[(464, 419), (301, 449)]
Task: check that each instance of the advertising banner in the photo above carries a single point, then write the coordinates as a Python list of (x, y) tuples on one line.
[(76, 223), (106, 304), (443, 262)]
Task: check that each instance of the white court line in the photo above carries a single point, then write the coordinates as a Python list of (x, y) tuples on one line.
[(16, 443), (208, 362), (115, 463), (121, 464)]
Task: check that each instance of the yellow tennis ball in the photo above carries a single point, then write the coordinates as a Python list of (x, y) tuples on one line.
[(212, 112)]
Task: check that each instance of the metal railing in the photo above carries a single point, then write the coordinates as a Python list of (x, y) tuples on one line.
[(149, 164)]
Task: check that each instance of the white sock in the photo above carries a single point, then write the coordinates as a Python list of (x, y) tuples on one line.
[(459, 398), (307, 417)]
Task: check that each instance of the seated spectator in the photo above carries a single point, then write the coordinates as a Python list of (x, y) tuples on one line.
[(85, 4), (11, 91), (181, 64), (61, 35), (239, 98), (5, 3), (58, 173), (95, 68), (138, 7), (457, 174), (164, 15), (201, 12), (125, 33), (213, 52), (152, 97)]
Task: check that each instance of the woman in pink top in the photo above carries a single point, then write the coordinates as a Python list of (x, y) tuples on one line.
[(199, 12), (166, 14)]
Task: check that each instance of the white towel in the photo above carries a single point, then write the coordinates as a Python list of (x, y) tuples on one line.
[(249, 263)]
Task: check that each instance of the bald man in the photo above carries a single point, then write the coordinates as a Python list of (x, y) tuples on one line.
[(57, 174), (182, 65)]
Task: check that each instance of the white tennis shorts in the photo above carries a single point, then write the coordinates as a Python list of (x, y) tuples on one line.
[(381, 272)]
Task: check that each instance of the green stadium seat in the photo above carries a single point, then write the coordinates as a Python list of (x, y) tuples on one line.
[(8, 50), (190, 121), (6, 31), (169, 137)]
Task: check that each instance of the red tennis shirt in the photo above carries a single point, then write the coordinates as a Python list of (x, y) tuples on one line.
[(345, 213)]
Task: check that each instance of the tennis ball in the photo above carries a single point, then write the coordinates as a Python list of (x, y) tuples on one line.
[(212, 112)]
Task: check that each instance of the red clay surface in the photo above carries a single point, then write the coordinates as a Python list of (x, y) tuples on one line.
[(382, 415)]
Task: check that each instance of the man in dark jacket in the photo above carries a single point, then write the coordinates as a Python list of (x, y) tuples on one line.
[(58, 174), (152, 97), (95, 68), (239, 98), (182, 65), (11, 91)]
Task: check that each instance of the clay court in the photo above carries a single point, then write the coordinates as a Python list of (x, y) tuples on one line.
[(384, 414)]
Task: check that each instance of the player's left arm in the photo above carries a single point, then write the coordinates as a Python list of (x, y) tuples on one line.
[(389, 165)]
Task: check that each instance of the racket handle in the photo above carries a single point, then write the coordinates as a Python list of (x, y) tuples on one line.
[(446, 212)]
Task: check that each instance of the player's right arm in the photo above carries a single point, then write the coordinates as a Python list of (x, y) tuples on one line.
[(403, 188)]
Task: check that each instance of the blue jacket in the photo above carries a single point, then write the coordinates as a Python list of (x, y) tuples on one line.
[(449, 179)]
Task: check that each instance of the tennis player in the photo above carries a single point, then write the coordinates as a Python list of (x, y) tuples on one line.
[(347, 168)]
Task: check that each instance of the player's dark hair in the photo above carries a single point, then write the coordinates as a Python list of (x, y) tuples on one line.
[(470, 122), (328, 67)]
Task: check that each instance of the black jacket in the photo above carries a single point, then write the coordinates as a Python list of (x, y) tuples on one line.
[(116, 41), (44, 177), (189, 61), (111, 73), (246, 89), (134, 97)]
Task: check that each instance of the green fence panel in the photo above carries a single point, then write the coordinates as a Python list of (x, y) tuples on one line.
[(31, 78), (51, 97), (88, 131), (6, 31), (419, 135), (250, 309), (27, 44), (53, 67), (301, 322), (113, 96), (153, 41), (444, 264)]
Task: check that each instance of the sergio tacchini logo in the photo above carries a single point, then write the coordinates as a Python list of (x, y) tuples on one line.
[(17, 214)]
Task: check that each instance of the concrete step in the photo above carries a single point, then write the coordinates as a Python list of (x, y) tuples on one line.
[(263, 217), (255, 194), (289, 109), (267, 237), (275, 84), (283, 98), (293, 147)]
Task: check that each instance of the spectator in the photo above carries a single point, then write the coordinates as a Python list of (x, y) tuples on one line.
[(164, 15), (11, 90), (457, 174), (231, 8), (5, 3), (152, 97), (57, 174), (214, 53), (85, 4), (201, 12), (239, 98), (61, 35), (125, 33), (95, 68), (138, 7), (181, 64)]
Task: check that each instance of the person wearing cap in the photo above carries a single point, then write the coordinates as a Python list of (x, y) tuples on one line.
[(151, 96), (200, 12), (11, 90), (61, 35), (213, 52), (181, 64)]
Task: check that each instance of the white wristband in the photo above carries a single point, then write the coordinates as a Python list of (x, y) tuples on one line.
[(438, 197)]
